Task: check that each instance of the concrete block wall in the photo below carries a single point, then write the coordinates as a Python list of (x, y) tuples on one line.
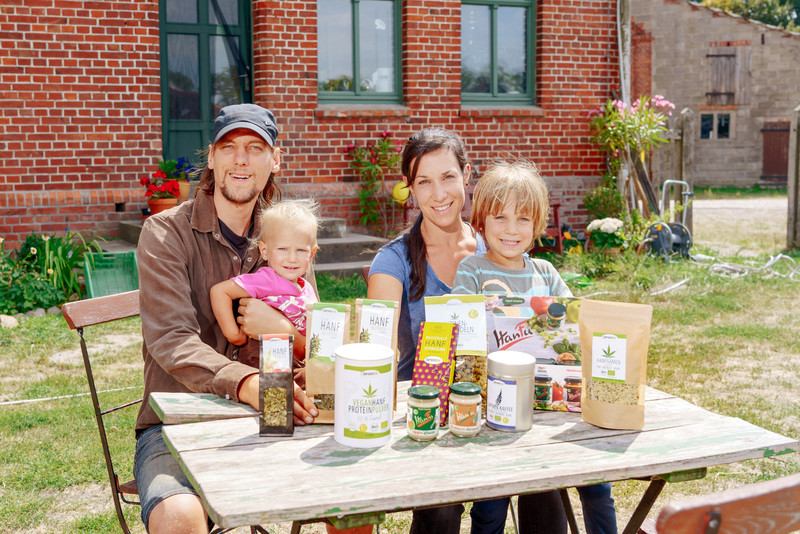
[(681, 34), (81, 121)]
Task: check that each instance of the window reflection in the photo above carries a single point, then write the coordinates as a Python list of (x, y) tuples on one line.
[(335, 46), (184, 11), (229, 8), (706, 126), (476, 75), (184, 76), (511, 53), (225, 81), (376, 51), (723, 126)]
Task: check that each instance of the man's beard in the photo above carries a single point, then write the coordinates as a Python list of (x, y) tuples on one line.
[(239, 197)]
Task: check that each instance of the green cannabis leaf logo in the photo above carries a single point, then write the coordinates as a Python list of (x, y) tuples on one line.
[(608, 353), (369, 392), (454, 317)]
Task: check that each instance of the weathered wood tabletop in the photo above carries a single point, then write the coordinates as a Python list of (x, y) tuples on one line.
[(245, 479)]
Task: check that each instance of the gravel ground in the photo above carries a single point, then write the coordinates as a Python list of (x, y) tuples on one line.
[(740, 226)]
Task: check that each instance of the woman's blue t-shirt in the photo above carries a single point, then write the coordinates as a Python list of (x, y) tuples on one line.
[(393, 260)]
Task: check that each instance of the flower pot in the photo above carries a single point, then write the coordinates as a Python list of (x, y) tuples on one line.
[(157, 205), (185, 186)]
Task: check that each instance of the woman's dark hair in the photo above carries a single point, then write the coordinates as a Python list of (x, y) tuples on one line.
[(420, 144)]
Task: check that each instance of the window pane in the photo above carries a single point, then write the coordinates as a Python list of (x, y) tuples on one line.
[(182, 11), (335, 45), (230, 11), (706, 126), (376, 49), (511, 57), (476, 74), (225, 82), (723, 126), (184, 76)]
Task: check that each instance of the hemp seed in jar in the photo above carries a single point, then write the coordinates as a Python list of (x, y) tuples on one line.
[(422, 420), (465, 411)]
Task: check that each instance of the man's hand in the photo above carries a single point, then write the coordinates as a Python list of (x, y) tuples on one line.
[(304, 410)]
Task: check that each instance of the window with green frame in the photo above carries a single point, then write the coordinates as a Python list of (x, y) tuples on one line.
[(358, 51), (497, 53), (205, 66)]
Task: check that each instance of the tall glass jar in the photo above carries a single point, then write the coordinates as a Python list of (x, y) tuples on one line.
[(465, 409)]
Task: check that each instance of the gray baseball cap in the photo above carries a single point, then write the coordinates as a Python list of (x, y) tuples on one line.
[(249, 116)]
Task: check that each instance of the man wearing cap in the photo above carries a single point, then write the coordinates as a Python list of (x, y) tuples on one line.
[(182, 252)]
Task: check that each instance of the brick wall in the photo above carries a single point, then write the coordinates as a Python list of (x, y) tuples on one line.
[(81, 119), (80, 116), (641, 61)]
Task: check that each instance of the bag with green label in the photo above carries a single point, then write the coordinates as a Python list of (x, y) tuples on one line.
[(615, 337)]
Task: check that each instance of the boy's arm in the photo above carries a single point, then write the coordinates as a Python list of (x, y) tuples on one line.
[(222, 297)]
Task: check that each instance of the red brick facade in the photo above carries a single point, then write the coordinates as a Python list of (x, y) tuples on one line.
[(641, 62), (81, 121)]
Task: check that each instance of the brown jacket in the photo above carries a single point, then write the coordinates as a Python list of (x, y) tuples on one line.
[(181, 254)]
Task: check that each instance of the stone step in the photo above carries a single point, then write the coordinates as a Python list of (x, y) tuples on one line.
[(351, 248), (340, 269), (330, 227)]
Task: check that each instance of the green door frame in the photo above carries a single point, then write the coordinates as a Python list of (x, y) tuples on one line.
[(177, 133)]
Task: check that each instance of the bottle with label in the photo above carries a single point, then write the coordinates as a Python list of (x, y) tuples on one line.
[(543, 391), (556, 313), (465, 409), (422, 420), (509, 390), (572, 390)]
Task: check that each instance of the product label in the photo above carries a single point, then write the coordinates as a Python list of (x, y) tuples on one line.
[(366, 393), (377, 323), (464, 416), (327, 331), (276, 354), (422, 422), (543, 396), (609, 357), (501, 403), (468, 312)]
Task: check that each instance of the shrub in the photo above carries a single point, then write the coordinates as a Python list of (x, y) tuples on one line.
[(603, 202)]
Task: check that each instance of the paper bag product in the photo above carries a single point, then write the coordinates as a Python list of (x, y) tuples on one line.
[(327, 328), (275, 385), (433, 363), (376, 322), (469, 313), (615, 337)]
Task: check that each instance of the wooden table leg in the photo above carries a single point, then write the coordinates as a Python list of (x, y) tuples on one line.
[(643, 508)]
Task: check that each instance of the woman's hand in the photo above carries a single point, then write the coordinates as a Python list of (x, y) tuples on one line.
[(257, 317)]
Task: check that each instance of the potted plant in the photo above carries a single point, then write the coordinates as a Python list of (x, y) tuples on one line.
[(162, 190), (606, 235)]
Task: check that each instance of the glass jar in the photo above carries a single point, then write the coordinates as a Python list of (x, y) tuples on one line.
[(543, 391), (422, 419), (509, 390), (465, 411), (572, 390), (556, 313)]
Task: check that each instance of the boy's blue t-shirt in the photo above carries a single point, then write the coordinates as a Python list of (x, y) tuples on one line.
[(392, 260)]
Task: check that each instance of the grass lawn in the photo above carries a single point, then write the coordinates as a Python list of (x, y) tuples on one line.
[(727, 345)]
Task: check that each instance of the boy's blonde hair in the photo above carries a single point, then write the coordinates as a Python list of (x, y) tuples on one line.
[(505, 182), (301, 214)]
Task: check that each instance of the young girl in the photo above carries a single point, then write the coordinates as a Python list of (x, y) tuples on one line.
[(288, 243), (510, 210)]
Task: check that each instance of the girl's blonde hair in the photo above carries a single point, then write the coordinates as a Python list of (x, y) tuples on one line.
[(301, 214), (517, 182)]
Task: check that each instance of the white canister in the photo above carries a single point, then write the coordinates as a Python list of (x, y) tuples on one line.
[(364, 387), (509, 390)]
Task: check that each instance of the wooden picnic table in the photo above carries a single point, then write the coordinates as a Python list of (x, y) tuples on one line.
[(245, 479)]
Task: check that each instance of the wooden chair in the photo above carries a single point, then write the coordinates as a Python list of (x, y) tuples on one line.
[(95, 311), (771, 507), (90, 312), (552, 232)]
